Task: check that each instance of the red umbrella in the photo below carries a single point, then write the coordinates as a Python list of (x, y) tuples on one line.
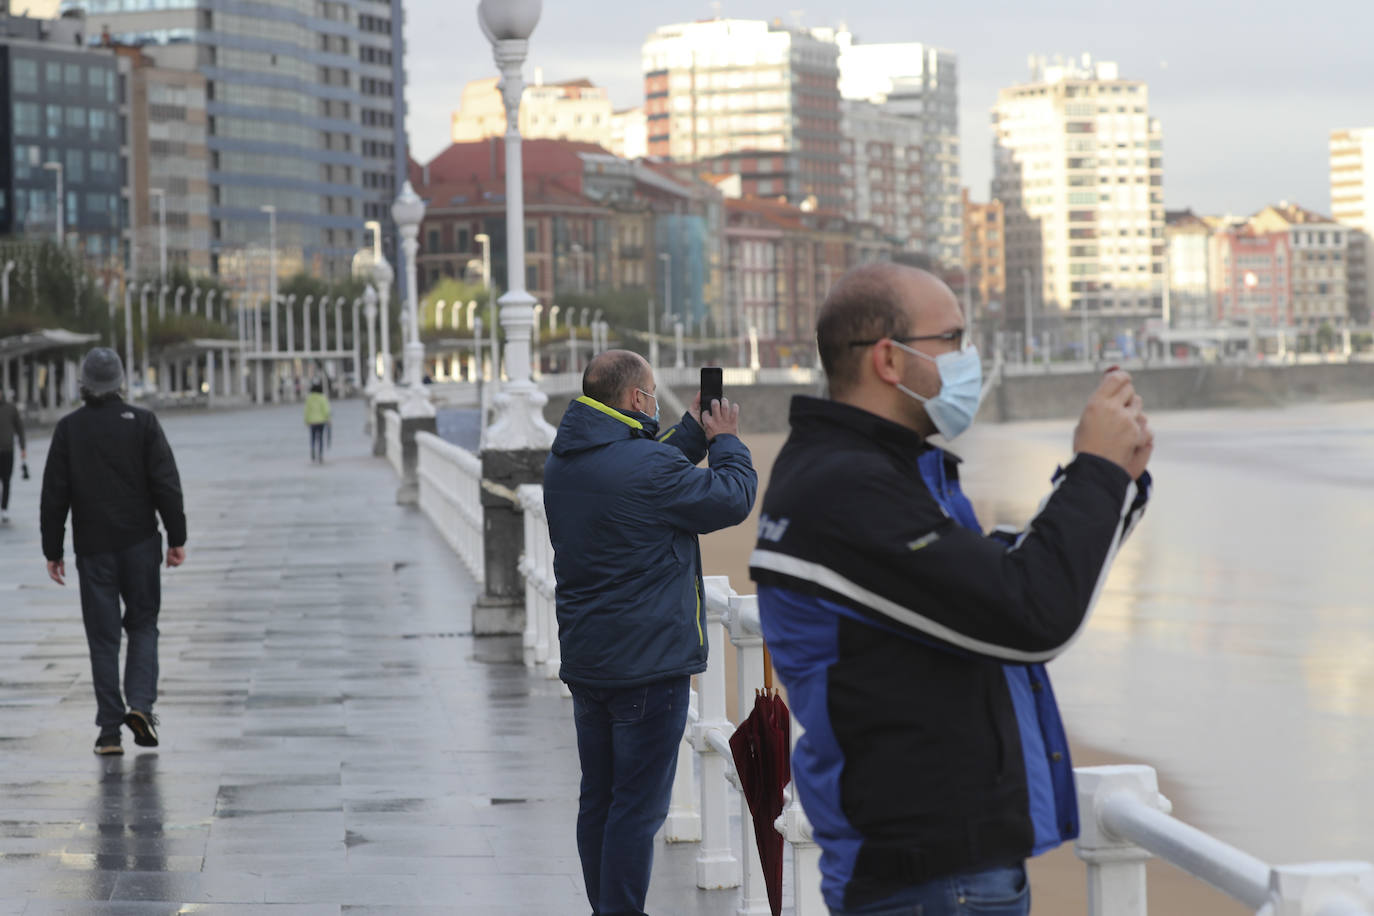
[(760, 748)]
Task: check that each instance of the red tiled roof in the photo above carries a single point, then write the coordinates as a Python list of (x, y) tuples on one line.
[(540, 192), (486, 159)]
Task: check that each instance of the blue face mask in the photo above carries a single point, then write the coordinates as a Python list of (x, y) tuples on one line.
[(648, 395), (961, 389)]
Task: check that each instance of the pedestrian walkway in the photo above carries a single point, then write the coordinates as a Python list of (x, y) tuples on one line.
[(333, 739)]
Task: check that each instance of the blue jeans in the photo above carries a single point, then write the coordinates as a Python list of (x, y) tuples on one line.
[(316, 441), (133, 574), (627, 739), (995, 892)]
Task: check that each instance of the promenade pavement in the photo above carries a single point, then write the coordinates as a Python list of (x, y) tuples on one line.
[(333, 738)]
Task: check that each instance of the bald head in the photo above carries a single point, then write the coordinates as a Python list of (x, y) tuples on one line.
[(869, 303), (612, 376)]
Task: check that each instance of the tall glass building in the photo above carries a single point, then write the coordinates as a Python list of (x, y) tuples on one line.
[(305, 110)]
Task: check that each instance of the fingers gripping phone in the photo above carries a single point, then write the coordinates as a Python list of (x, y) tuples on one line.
[(712, 381)]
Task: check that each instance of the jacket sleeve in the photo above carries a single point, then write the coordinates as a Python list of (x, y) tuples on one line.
[(688, 437), (885, 548), (56, 498), (164, 482), (702, 500)]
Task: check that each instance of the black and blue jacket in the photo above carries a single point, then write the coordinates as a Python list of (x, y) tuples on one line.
[(913, 646), (625, 506)]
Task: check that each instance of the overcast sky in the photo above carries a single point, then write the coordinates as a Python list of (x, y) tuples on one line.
[(1247, 92)]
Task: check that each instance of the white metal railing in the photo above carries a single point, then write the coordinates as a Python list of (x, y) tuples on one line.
[(392, 437), (450, 481), (1125, 820), (536, 565)]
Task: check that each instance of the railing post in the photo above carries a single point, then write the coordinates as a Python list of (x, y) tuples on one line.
[(1116, 867), (552, 650), (529, 568), (1321, 889), (716, 864), (748, 678), (795, 828)]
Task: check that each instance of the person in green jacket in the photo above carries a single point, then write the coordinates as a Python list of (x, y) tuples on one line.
[(316, 417)]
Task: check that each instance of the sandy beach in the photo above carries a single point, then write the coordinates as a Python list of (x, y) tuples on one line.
[(1057, 879)]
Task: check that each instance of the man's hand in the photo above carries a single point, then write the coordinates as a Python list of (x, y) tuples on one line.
[(57, 571), (1114, 426), (175, 557), (722, 417)]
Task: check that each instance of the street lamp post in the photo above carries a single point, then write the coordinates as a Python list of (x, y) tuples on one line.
[(667, 284), (271, 212), (1026, 285), (484, 240), (515, 445), (407, 212), (370, 313), (61, 227)]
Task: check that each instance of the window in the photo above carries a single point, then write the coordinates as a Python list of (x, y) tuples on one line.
[(76, 117), (25, 75), (531, 241), (432, 240), (52, 74), (72, 75), (462, 244), (532, 276), (75, 166), (54, 122), (26, 119)]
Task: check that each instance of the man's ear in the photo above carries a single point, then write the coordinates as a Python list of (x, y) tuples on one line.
[(884, 360)]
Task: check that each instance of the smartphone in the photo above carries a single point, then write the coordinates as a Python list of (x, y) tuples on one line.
[(712, 379)]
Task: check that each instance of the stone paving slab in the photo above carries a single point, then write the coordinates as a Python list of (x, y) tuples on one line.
[(330, 743)]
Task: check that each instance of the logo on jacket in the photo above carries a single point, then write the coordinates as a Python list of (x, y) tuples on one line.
[(128, 415), (771, 529)]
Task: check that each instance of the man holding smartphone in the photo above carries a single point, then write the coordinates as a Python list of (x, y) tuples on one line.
[(626, 504)]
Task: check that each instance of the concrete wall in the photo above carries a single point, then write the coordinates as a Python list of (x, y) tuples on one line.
[(763, 408)]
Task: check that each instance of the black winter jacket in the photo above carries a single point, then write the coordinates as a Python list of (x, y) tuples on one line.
[(110, 464)]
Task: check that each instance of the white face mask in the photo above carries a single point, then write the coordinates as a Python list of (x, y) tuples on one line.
[(655, 400), (961, 389)]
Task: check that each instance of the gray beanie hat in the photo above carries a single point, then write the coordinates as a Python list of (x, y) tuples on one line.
[(102, 372)]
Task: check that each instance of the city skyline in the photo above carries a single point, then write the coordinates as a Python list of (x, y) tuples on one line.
[(1246, 120)]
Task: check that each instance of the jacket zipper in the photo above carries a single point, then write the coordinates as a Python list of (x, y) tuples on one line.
[(701, 637)]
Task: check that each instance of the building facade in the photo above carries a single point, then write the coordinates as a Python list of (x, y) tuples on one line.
[(1318, 247), (168, 166), (305, 113), (1251, 277), (985, 262), (740, 93), (889, 189), (1078, 165), (61, 129), (1352, 204), (1188, 287), (919, 83), (574, 110)]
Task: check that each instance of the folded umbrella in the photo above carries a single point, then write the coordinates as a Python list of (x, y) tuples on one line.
[(760, 746)]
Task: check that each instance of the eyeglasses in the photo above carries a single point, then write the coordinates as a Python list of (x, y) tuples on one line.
[(647, 394), (954, 337)]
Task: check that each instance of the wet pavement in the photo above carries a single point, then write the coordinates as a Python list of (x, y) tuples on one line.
[(333, 738)]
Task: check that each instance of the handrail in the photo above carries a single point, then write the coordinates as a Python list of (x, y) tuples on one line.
[(450, 481)]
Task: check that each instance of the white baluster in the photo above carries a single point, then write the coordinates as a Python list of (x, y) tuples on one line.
[(716, 863), (795, 828)]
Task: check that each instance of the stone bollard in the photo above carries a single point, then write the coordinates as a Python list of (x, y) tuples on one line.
[(501, 609), (412, 422), (379, 408)]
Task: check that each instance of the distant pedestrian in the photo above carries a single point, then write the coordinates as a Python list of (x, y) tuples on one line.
[(625, 504), (11, 427), (317, 418), (110, 465)]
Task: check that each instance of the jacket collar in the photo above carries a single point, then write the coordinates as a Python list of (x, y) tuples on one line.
[(819, 415)]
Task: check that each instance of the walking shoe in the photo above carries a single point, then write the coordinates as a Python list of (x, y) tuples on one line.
[(4, 518), (107, 745), (142, 724)]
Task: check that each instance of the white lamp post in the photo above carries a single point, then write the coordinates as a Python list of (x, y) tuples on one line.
[(382, 277), (519, 422), (370, 313), (407, 212)]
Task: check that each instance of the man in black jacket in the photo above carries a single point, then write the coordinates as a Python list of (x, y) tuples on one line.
[(11, 425), (912, 646), (111, 466)]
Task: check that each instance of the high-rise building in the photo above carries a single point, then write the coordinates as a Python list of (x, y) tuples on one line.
[(919, 83), (305, 112), (168, 166), (61, 129), (753, 98), (574, 110), (1078, 164), (629, 134), (1352, 203), (888, 179)]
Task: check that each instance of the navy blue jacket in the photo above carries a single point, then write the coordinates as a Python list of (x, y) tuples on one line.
[(625, 509), (913, 648)]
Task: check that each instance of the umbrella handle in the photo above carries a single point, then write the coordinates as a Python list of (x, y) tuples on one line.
[(767, 669)]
